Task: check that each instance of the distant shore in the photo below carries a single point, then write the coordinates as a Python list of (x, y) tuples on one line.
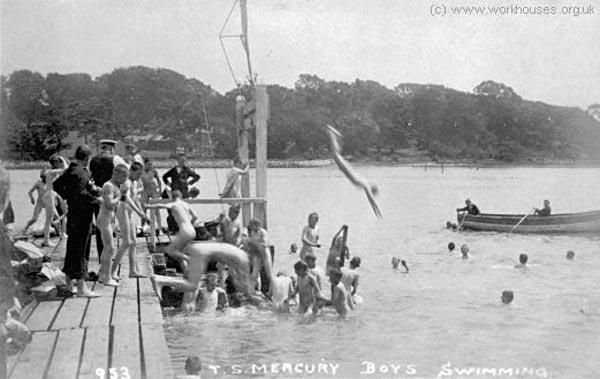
[(295, 163)]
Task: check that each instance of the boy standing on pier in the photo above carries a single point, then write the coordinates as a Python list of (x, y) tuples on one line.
[(111, 196)]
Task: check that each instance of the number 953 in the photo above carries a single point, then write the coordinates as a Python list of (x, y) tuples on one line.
[(113, 373)]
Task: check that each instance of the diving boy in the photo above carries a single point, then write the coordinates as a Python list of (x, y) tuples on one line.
[(185, 218)]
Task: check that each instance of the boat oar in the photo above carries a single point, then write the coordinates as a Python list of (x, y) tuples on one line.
[(521, 220), (464, 216)]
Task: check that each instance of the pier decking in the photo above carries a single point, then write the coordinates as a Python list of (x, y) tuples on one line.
[(120, 332)]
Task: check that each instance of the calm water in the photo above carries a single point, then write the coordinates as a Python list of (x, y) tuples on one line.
[(446, 311)]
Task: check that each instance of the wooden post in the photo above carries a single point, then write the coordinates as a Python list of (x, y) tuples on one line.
[(242, 140), (152, 231), (262, 115)]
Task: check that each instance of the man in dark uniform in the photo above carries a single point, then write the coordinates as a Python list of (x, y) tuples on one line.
[(75, 186), (545, 211), (178, 177), (470, 208), (101, 168)]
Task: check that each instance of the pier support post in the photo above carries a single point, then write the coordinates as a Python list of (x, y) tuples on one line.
[(242, 140), (262, 116)]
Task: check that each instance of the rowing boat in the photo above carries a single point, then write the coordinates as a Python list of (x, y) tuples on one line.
[(585, 222)]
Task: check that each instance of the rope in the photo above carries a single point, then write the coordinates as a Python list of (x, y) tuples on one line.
[(221, 37), (210, 145)]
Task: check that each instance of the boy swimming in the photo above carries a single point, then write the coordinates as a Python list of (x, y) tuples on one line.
[(307, 289), (523, 258), (256, 246), (350, 276), (281, 289), (340, 299)]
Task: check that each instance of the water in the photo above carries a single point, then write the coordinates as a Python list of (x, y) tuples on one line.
[(445, 311)]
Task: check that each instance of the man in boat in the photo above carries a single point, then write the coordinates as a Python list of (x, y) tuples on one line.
[(545, 211), (470, 208)]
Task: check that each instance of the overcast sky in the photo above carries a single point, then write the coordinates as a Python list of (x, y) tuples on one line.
[(552, 58)]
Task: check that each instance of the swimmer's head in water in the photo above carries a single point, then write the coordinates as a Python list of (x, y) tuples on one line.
[(311, 260), (193, 366), (176, 194), (464, 249), (194, 192), (211, 282), (523, 258), (507, 296), (254, 224), (335, 276), (570, 254), (374, 189), (293, 248), (300, 268), (355, 262), (395, 262), (451, 246)]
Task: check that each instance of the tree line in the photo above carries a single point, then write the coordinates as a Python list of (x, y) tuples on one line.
[(491, 122)]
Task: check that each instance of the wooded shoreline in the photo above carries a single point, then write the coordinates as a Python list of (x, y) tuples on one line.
[(315, 163)]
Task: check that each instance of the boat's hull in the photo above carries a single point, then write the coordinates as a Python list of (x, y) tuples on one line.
[(586, 222)]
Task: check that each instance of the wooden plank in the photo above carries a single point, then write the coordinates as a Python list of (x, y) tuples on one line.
[(11, 362), (144, 263), (150, 311), (33, 361), (71, 313), (65, 360), (156, 353), (125, 310), (95, 352), (126, 350), (43, 315), (99, 309)]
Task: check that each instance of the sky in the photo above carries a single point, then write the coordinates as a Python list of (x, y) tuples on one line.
[(552, 58)]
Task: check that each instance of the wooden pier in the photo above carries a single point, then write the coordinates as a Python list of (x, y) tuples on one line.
[(120, 332)]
